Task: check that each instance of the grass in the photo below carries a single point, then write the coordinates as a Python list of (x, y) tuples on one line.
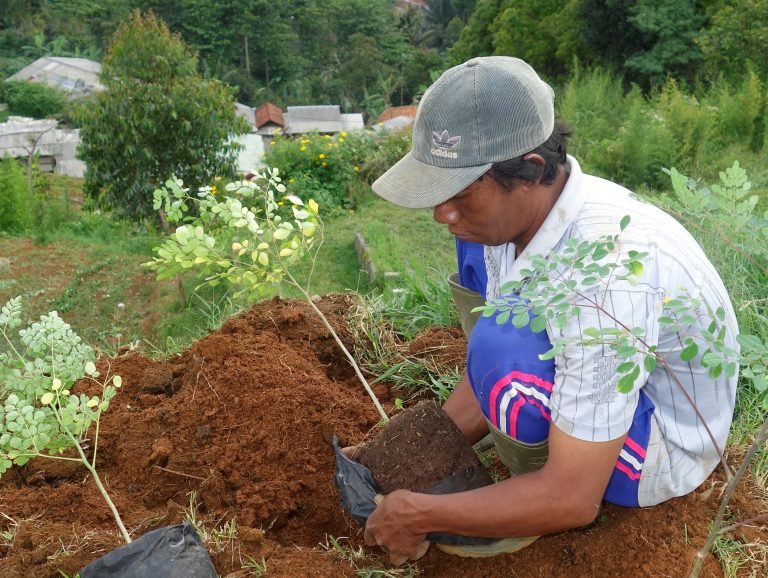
[(404, 241), (741, 560), (365, 565)]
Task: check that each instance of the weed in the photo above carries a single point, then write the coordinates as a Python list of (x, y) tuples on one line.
[(740, 560), (360, 560), (254, 567)]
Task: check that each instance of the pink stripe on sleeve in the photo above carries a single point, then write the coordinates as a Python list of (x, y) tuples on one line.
[(626, 470), (635, 447), (514, 412)]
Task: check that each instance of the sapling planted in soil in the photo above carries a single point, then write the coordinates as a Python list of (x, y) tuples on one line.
[(40, 417), (244, 237)]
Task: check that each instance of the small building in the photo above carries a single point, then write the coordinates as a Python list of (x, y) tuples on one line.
[(269, 119), (21, 137), (77, 76), (326, 119), (396, 117)]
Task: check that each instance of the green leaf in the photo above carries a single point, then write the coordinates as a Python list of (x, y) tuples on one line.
[(502, 317), (625, 367), (520, 320), (625, 351), (538, 324), (689, 352), (627, 382), (624, 222), (649, 363)]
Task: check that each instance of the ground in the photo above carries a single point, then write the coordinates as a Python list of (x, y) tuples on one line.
[(238, 428)]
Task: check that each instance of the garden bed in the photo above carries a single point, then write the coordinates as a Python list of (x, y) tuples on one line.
[(244, 419)]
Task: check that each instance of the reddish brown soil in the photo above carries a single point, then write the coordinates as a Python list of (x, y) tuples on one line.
[(244, 419)]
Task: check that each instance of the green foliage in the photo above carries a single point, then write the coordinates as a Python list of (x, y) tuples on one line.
[(40, 416), (33, 99), (321, 166), (736, 39), (239, 236), (242, 238), (157, 117), (16, 199), (668, 29)]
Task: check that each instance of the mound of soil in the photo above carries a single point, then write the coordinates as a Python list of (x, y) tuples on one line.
[(240, 427), (414, 438)]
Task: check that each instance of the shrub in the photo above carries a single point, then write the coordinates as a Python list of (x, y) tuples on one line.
[(34, 99), (15, 198), (321, 166)]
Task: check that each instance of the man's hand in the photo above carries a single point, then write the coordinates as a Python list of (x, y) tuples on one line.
[(388, 528)]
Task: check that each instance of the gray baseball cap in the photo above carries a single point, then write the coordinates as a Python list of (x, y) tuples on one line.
[(486, 110)]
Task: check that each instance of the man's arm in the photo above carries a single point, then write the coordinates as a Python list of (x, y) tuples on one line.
[(464, 410), (564, 494)]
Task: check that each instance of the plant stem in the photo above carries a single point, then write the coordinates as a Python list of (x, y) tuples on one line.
[(104, 493), (760, 438), (348, 355)]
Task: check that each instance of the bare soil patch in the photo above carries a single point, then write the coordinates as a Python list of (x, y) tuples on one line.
[(244, 418)]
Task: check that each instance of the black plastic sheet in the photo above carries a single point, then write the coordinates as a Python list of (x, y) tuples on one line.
[(170, 552), (357, 490)]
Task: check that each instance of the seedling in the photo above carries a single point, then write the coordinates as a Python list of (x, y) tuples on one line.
[(40, 417), (241, 237)]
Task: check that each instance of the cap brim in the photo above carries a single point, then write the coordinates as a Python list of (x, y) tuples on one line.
[(413, 184)]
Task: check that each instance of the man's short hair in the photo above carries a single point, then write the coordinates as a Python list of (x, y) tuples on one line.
[(553, 150)]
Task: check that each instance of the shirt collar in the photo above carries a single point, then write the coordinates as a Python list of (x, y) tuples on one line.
[(501, 259)]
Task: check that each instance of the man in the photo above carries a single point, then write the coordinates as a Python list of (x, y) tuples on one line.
[(489, 157)]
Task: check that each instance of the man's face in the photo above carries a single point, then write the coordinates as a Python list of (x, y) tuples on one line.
[(486, 213)]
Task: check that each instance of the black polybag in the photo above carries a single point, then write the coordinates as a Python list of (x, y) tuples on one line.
[(169, 552), (357, 490)]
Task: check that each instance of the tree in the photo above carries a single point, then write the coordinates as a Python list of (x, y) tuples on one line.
[(669, 29), (736, 39), (475, 39), (156, 118)]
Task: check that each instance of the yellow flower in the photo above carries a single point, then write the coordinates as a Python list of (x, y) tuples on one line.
[(357, 169), (327, 136), (341, 140), (213, 190), (291, 180), (325, 164), (280, 203), (302, 149), (344, 133), (322, 156)]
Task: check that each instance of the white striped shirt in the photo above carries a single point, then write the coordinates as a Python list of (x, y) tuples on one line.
[(585, 402)]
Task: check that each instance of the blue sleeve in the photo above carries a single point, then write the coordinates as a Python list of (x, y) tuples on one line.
[(471, 261)]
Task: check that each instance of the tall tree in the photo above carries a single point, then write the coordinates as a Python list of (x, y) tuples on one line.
[(157, 118)]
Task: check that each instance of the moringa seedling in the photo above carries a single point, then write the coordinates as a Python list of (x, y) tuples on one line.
[(40, 417), (242, 237)]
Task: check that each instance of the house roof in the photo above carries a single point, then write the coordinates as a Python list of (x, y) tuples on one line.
[(396, 111), (267, 113), (245, 112), (20, 135), (74, 75), (321, 118)]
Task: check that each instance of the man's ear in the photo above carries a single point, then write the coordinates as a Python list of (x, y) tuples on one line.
[(539, 161)]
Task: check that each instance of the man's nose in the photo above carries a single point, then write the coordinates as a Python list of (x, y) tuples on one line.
[(446, 213)]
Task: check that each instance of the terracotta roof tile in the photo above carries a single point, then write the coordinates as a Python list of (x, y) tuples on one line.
[(396, 111), (269, 113)]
